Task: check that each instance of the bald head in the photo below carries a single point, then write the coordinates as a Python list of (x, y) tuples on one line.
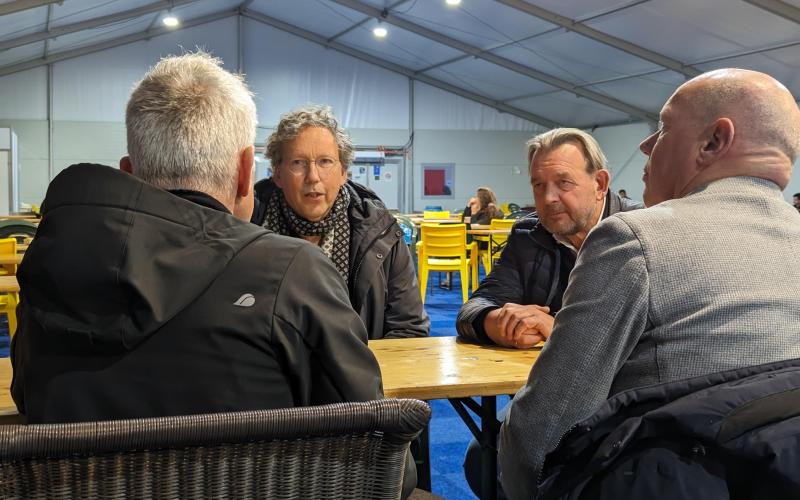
[(725, 123), (762, 110)]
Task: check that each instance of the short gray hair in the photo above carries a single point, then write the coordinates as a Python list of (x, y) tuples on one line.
[(294, 122), (187, 122), (550, 140)]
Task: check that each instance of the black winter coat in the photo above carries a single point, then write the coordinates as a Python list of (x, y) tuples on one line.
[(533, 269), (383, 284), (729, 435), (136, 302)]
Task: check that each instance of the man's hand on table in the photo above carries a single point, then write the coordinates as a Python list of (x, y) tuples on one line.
[(519, 326)]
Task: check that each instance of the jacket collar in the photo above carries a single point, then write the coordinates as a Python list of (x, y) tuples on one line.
[(200, 198)]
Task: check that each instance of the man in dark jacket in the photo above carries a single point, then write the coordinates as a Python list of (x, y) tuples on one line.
[(515, 304), (309, 197), (149, 293)]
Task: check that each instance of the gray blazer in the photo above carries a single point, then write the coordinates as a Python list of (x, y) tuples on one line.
[(688, 287)]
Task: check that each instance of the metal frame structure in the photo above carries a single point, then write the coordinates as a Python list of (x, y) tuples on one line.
[(477, 52), (576, 25)]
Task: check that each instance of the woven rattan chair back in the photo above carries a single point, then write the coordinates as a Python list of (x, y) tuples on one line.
[(346, 450)]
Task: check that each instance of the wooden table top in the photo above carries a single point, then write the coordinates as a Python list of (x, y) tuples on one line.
[(11, 259), (487, 232), (9, 284), (443, 367), (422, 368), (7, 406)]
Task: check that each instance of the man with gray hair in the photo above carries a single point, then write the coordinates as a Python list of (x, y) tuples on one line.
[(698, 283), (147, 292), (310, 197), (515, 304)]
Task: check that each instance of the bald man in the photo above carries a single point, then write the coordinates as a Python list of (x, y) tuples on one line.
[(697, 283)]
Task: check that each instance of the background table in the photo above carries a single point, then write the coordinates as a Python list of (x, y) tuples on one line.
[(446, 368), (7, 406), (9, 284), (11, 259)]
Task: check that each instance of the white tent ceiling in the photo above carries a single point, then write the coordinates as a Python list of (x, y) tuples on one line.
[(555, 62)]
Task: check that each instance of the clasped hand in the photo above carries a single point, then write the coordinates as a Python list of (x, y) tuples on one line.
[(519, 326)]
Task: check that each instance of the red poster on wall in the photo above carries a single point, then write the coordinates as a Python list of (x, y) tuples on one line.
[(434, 182)]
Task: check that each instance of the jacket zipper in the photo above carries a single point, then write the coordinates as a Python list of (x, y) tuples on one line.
[(364, 256), (558, 443)]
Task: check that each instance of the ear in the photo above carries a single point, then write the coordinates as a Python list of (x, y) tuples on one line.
[(125, 164), (244, 182), (277, 175), (602, 178), (716, 141)]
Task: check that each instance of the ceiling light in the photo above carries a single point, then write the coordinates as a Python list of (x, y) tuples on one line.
[(170, 21), (452, 2), (379, 31)]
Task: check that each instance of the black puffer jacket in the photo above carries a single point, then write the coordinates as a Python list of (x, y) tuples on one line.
[(136, 302), (383, 284), (731, 434), (533, 269)]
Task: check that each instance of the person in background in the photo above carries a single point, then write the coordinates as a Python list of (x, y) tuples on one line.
[(482, 207), (697, 283), (309, 197), (796, 201), (623, 194), (148, 293)]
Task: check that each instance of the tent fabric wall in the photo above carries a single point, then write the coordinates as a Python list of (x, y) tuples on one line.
[(287, 71)]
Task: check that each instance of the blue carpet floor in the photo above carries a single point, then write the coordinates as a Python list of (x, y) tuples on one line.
[(449, 436)]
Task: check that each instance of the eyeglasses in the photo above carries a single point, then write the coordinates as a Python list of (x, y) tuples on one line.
[(300, 166)]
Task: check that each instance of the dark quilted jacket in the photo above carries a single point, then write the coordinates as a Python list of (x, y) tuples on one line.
[(533, 269), (731, 434)]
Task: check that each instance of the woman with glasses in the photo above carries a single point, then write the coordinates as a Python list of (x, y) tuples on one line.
[(309, 197)]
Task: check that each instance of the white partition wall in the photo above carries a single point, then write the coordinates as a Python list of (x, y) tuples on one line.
[(9, 172)]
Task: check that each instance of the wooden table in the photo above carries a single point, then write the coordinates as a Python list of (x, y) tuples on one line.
[(11, 259), (446, 368), (9, 284), (7, 406), (418, 221)]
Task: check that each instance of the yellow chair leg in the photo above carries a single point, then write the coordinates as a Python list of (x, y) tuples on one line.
[(12, 314), (474, 266), (464, 275), (423, 281)]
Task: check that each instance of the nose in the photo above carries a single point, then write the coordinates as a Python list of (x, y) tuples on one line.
[(312, 173), (551, 193), (646, 145)]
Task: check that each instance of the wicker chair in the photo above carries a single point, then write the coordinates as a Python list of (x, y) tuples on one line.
[(346, 450)]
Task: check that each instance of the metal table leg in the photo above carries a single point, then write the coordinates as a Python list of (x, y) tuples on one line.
[(488, 442), (420, 449), (486, 436)]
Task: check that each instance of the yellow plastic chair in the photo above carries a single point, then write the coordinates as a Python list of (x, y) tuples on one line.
[(435, 214), (8, 248), (443, 247), (8, 306), (497, 241)]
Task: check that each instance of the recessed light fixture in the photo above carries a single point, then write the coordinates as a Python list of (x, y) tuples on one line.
[(380, 32), (170, 21), (452, 2)]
